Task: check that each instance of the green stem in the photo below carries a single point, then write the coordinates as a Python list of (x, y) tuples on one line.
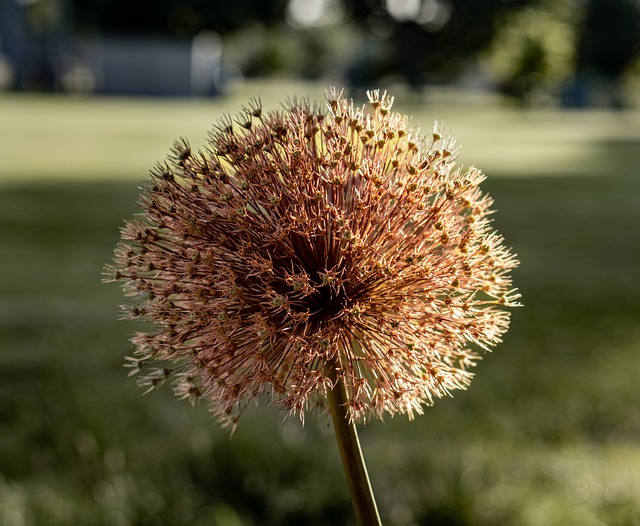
[(355, 469)]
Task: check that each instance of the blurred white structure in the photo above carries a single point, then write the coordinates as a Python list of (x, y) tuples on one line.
[(155, 66)]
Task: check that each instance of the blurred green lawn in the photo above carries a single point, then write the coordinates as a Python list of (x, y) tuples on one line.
[(548, 433)]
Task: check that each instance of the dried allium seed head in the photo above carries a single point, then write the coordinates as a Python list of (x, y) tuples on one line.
[(308, 239)]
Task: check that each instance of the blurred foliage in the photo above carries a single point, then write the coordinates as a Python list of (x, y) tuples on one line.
[(608, 45), (434, 41), (533, 51), (182, 18), (609, 37), (546, 434), (579, 52), (316, 52)]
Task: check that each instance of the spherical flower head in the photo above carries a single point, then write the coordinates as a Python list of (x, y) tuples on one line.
[(309, 244)]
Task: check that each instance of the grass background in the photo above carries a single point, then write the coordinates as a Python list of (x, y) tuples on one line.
[(548, 433)]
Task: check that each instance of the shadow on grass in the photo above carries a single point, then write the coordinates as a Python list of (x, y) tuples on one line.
[(546, 430)]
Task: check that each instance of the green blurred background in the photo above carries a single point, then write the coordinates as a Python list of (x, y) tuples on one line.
[(549, 431)]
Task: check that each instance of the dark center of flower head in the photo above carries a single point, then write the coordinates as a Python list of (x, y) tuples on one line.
[(326, 302), (316, 297)]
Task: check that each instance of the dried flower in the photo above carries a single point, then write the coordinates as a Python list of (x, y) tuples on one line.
[(306, 240)]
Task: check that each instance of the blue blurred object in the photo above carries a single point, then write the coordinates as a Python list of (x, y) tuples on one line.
[(36, 36), (39, 50)]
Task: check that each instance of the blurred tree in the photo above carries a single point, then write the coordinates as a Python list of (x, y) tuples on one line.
[(426, 35), (609, 37), (182, 18), (430, 38), (580, 50), (533, 52), (608, 43), (532, 47)]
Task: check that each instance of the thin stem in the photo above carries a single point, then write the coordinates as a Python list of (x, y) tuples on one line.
[(355, 469)]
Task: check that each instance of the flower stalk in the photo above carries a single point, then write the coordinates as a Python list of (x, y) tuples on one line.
[(353, 462)]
